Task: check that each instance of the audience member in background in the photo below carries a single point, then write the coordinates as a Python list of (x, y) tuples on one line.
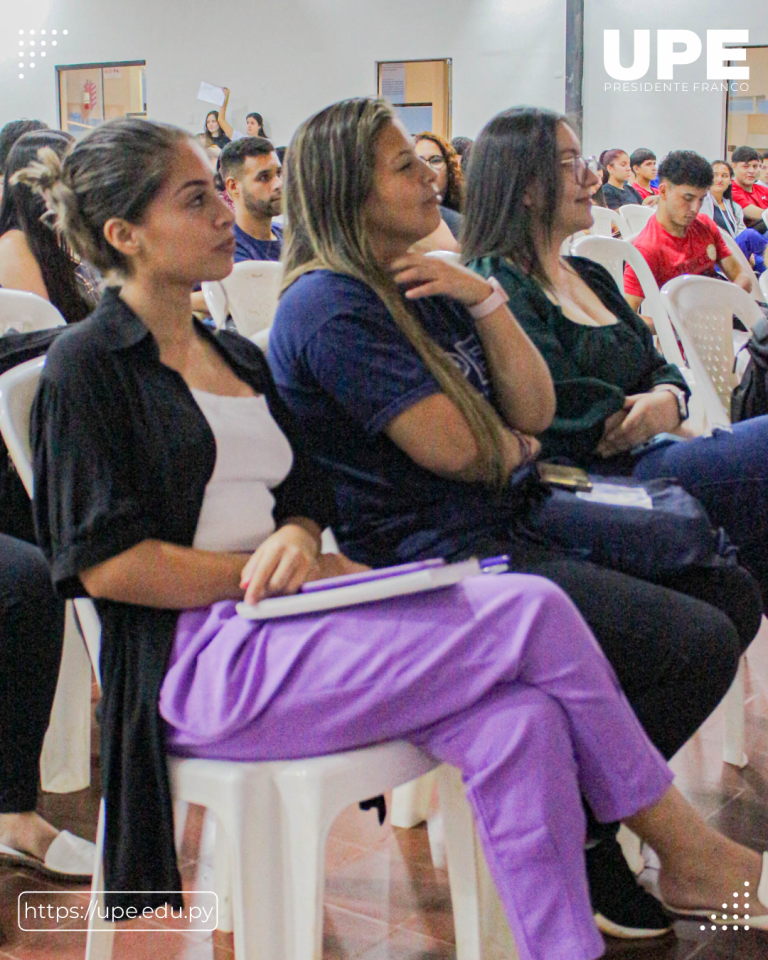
[(414, 408), (446, 163), (251, 172), (10, 134), (254, 125), (463, 146), (745, 190), (280, 151), (763, 179), (643, 166), (33, 257), (218, 132), (498, 675), (617, 171), (614, 390), (679, 239), (31, 632), (719, 206)]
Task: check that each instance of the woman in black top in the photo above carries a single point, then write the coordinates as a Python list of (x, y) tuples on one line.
[(616, 173), (217, 131), (129, 444)]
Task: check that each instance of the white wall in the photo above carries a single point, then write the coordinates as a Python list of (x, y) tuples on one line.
[(288, 59), (662, 121)]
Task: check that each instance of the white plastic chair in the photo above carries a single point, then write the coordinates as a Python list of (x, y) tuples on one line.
[(763, 283), (249, 294), (449, 255), (604, 220), (25, 312), (261, 339), (745, 265), (701, 310), (65, 761), (273, 817), (636, 215)]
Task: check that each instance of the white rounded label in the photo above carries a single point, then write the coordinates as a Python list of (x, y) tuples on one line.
[(712, 252)]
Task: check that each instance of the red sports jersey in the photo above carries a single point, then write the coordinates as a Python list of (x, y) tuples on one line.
[(667, 256), (757, 198), (643, 193)]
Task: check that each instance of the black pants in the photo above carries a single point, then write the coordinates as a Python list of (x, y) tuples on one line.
[(31, 635), (675, 646)]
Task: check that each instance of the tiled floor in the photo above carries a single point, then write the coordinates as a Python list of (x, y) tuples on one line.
[(385, 901)]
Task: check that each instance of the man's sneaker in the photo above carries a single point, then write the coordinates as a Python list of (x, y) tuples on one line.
[(621, 906)]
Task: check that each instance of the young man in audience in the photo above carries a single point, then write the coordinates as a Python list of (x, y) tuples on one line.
[(643, 164), (751, 195), (251, 171), (763, 179), (678, 239)]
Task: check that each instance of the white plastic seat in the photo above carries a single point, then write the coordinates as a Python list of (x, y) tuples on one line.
[(745, 265), (604, 220), (273, 817), (636, 215), (449, 255), (25, 312), (763, 283), (701, 310), (249, 294)]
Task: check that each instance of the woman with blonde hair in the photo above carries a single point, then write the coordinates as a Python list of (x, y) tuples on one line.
[(422, 412), (169, 485)]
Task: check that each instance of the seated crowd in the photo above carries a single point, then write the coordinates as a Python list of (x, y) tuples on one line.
[(402, 402)]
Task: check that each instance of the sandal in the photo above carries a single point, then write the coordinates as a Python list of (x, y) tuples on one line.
[(729, 920), (68, 858)]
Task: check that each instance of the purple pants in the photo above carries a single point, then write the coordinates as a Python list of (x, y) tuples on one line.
[(499, 676)]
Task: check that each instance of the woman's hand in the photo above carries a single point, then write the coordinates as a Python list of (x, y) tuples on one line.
[(281, 564), (646, 414), (433, 276)]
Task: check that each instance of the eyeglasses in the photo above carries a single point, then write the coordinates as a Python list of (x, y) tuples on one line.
[(581, 166), (436, 162)]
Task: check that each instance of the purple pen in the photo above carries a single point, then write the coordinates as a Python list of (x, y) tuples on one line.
[(352, 579)]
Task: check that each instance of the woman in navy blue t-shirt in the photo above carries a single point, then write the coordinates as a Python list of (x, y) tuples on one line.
[(420, 413)]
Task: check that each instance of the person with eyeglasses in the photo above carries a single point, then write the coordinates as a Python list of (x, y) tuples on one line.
[(444, 161)]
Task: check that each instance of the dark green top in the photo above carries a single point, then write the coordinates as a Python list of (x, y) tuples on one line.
[(594, 368)]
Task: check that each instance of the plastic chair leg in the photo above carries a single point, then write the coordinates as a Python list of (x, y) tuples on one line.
[(411, 802), (733, 714), (460, 841), (101, 933), (222, 878)]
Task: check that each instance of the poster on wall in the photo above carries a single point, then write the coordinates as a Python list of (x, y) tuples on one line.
[(393, 82)]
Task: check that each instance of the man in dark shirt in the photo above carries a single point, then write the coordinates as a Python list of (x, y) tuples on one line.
[(251, 171)]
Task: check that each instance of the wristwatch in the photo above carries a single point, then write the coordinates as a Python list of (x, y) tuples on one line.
[(682, 400)]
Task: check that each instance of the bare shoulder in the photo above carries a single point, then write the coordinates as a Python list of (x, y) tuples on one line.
[(18, 268)]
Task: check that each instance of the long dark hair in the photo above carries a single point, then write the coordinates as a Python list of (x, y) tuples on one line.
[(724, 163), (23, 209), (513, 188)]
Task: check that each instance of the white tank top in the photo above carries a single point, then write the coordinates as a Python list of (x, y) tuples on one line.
[(252, 457)]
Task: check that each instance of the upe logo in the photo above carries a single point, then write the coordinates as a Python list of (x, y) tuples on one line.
[(677, 47)]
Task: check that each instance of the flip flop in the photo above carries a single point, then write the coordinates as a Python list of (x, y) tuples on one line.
[(68, 858), (719, 918)]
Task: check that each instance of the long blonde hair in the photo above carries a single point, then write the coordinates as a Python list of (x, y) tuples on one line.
[(329, 175)]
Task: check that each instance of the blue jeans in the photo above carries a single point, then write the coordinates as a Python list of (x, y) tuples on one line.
[(728, 473)]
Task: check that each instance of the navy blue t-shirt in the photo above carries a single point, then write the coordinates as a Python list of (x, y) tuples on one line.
[(346, 371), (249, 248)]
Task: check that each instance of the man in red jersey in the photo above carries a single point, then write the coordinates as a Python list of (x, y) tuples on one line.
[(678, 239), (746, 190)]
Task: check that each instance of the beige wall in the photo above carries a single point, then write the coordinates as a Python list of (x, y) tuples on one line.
[(427, 82)]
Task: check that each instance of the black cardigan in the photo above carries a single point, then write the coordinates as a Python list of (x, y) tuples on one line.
[(122, 453)]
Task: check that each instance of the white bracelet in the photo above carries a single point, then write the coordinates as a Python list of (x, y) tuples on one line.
[(492, 302)]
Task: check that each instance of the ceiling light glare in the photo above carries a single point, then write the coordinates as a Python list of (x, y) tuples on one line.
[(54, 32), (21, 43), (43, 53), (65, 32), (42, 43), (31, 53), (21, 76), (53, 43), (31, 64), (21, 33), (31, 43), (42, 32), (31, 33)]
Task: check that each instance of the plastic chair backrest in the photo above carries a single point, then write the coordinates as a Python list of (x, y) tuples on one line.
[(216, 301), (25, 312), (636, 215), (612, 254), (763, 283), (604, 221), (701, 310), (261, 339), (448, 255), (251, 292), (737, 252)]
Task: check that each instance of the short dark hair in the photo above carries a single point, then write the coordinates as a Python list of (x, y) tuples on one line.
[(11, 133), (234, 155), (686, 167), (744, 155), (639, 156)]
